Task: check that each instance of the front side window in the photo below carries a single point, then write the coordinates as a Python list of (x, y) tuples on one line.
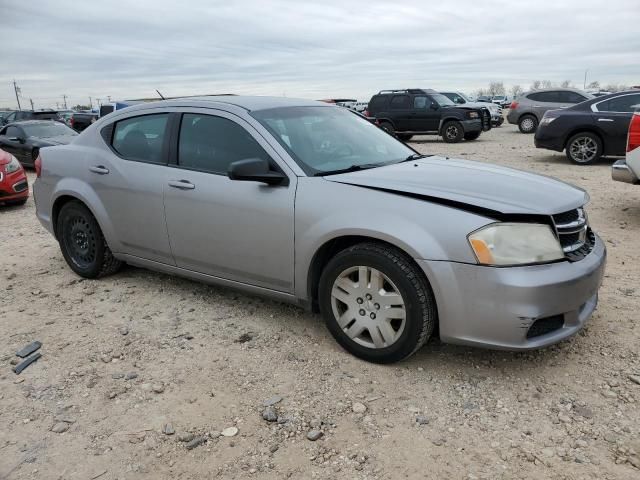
[(210, 144), (324, 139), (399, 102), (141, 138), (14, 132), (420, 102), (442, 100)]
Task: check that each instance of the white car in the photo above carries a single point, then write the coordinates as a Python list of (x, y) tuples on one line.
[(628, 170), (460, 98)]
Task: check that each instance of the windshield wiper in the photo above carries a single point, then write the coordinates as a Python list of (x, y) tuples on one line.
[(414, 156), (352, 168)]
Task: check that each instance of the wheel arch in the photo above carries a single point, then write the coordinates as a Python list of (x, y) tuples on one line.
[(584, 129), (330, 248), (449, 118), (528, 114)]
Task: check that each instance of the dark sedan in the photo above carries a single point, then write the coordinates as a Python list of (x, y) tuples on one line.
[(591, 129), (23, 140)]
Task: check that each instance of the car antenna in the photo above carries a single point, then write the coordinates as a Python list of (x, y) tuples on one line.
[(161, 96)]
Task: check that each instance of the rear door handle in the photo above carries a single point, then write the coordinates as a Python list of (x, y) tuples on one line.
[(605, 119), (99, 169), (182, 184)]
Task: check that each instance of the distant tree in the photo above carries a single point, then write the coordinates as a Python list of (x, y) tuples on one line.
[(612, 87), (481, 91), (536, 85), (496, 88), (547, 84), (81, 107), (566, 84), (595, 84), (516, 90)]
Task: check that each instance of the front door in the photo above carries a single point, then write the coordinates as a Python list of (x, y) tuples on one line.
[(613, 117), (425, 116), (12, 141), (236, 230)]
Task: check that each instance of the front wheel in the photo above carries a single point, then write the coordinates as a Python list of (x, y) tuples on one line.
[(376, 303), (82, 243), (584, 148), (452, 132), (471, 135)]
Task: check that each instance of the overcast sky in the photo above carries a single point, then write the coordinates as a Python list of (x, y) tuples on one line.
[(333, 48)]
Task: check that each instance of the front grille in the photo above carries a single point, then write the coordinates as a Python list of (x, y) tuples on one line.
[(542, 326), (576, 238), (486, 119), (21, 186)]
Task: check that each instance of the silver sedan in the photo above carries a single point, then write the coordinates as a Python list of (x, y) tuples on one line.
[(313, 204)]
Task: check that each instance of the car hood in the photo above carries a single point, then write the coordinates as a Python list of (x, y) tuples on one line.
[(52, 141), (490, 106), (477, 186)]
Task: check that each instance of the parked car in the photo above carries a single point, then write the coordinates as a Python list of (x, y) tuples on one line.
[(360, 107), (24, 139), (590, 129), (322, 209), (14, 187), (527, 110), (460, 98), (20, 115), (501, 100), (628, 170), (81, 120), (483, 98), (417, 111)]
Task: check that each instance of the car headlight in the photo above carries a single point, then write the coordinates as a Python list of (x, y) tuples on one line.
[(515, 244), (473, 115), (13, 165), (547, 120)]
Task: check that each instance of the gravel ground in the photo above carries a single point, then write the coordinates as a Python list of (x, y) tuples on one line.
[(144, 375)]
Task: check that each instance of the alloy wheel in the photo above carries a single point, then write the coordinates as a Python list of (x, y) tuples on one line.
[(368, 307), (451, 132), (527, 124), (583, 149)]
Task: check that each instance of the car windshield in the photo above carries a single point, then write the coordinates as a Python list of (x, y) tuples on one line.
[(44, 130), (498, 97), (442, 100), (328, 139)]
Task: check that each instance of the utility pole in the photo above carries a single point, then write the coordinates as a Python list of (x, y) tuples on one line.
[(584, 87), (98, 100), (109, 98), (31, 104), (90, 104), (17, 90), (64, 97)]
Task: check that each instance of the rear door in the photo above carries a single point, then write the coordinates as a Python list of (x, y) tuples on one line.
[(236, 230), (613, 116), (424, 118), (400, 110), (543, 101), (128, 179)]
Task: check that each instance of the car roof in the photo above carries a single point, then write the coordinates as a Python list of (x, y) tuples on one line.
[(20, 123), (248, 103)]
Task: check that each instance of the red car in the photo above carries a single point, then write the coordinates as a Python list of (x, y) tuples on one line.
[(14, 188)]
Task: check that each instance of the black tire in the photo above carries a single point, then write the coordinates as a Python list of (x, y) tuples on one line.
[(420, 306), (452, 131), (82, 243), (592, 151), (388, 127), (472, 135), (528, 124), (405, 137)]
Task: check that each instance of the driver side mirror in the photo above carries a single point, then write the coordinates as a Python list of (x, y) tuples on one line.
[(434, 106), (256, 170)]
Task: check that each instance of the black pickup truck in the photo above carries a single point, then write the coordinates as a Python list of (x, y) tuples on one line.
[(81, 120), (415, 111)]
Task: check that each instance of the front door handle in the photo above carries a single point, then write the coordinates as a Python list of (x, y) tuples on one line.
[(182, 184), (99, 169), (605, 119)]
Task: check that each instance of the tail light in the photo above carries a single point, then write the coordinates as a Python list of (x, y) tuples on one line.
[(366, 112), (513, 105), (71, 122), (633, 141), (38, 165)]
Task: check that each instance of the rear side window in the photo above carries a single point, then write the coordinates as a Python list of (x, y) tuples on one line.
[(625, 103), (399, 102), (549, 97), (210, 144), (377, 102), (141, 138)]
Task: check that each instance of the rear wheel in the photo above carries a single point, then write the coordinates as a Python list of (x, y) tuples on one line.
[(528, 124), (584, 148), (376, 303), (471, 135), (387, 127), (405, 137), (82, 243), (452, 132)]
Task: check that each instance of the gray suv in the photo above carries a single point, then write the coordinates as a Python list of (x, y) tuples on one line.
[(527, 110), (308, 203)]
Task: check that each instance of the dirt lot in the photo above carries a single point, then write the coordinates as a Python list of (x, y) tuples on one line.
[(125, 356)]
